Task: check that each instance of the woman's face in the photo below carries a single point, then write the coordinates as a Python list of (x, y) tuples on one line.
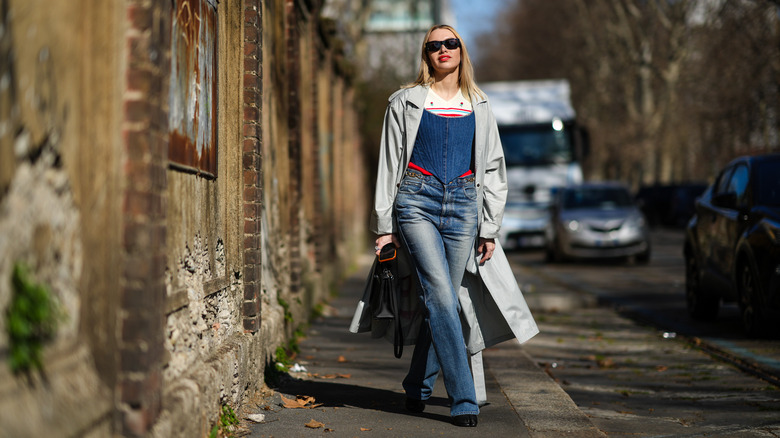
[(444, 60)]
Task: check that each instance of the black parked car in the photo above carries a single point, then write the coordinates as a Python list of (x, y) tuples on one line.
[(732, 245)]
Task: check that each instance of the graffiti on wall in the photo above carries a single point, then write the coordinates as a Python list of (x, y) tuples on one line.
[(193, 87)]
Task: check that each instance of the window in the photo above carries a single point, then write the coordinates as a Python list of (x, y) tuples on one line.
[(603, 198), (538, 145), (722, 186), (738, 183), (192, 99)]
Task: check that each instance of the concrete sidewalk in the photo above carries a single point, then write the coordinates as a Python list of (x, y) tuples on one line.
[(356, 381)]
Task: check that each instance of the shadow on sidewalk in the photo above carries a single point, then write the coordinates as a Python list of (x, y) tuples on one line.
[(339, 395)]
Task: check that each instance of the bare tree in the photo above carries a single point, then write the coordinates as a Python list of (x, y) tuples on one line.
[(666, 87), (736, 81)]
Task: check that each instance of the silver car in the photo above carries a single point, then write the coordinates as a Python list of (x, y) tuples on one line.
[(596, 220)]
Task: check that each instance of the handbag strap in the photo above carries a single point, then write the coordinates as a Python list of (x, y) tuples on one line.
[(398, 340), (387, 259)]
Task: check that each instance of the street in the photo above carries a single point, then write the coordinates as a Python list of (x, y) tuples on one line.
[(617, 338)]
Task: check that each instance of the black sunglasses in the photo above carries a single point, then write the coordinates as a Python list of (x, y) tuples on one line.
[(450, 44)]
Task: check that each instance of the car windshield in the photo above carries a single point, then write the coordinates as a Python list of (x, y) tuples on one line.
[(768, 187), (604, 198)]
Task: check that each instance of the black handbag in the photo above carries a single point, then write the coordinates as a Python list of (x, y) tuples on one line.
[(385, 294)]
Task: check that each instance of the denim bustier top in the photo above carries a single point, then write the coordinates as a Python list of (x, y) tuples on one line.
[(444, 145)]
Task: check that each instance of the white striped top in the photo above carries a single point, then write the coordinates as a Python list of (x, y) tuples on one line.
[(458, 106)]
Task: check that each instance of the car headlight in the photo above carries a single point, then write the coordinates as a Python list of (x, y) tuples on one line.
[(573, 225)]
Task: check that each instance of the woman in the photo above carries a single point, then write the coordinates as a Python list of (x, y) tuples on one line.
[(440, 194)]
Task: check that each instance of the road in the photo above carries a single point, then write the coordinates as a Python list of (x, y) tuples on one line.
[(617, 338)]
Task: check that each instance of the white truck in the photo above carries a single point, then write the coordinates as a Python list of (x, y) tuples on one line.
[(543, 147)]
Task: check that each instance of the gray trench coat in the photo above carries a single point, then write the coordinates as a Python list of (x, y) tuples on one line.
[(487, 290)]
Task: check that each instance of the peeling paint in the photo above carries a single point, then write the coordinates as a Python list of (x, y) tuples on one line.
[(193, 87)]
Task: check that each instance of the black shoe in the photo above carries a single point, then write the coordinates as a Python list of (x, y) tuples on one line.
[(467, 420), (413, 405)]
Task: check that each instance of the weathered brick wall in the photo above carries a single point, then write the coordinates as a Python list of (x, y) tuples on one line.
[(59, 185), (215, 358), (142, 288), (252, 160), (275, 213), (210, 359), (314, 182), (175, 282)]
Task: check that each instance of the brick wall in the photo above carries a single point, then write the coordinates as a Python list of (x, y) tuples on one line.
[(163, 271), (252, 163), (293, 38), (142, 287)]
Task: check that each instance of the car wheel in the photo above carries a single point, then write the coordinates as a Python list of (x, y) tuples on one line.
[(700, 305), (750, 303)]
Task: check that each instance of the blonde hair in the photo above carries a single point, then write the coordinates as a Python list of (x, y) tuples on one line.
[(465, 73)]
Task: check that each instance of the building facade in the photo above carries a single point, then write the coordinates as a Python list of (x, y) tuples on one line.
[(181, 183), (398, 27), (386, 34)]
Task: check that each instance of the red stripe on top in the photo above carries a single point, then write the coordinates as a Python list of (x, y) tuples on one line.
[(425, 172), (449, 111), (420, 169)]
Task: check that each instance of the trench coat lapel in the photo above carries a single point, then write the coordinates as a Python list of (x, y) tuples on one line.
[(479, 136)]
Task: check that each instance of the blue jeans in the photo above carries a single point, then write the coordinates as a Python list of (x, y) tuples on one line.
[(438, 224)]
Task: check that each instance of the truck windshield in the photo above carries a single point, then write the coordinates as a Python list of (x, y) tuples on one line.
[(536, 145)]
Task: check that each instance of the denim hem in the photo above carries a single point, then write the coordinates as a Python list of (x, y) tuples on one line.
[(466, 413)]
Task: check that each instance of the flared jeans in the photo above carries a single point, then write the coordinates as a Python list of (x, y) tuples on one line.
[(438, 224)]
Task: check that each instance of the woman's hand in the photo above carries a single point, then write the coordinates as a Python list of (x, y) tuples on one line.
[(486, 248), (384, 239)]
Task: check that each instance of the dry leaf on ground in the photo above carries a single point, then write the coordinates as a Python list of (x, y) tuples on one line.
[(300, 402), (314, 424), (332, 376), (606, 363)]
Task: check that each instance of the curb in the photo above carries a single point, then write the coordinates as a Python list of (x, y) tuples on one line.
[(543, 406)]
